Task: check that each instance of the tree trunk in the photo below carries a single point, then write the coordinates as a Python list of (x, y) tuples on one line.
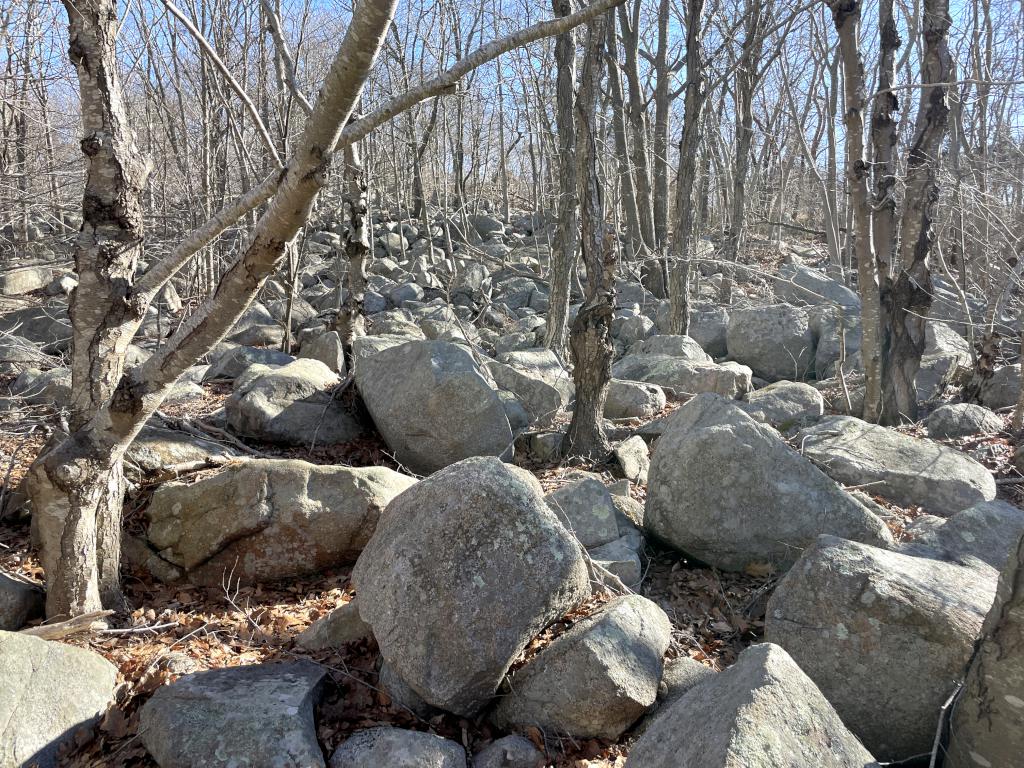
[(987, 728), (846, 15), (907, 301), (683, 235), (351, 322), (590, 340), (563, 252)]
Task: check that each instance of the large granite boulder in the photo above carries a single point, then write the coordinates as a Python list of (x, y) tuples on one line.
[(904, 469), (595, 680), (48, 693), (885, 636), (785, 405), (20, 601), (762, 712), (1003, 389), (465, 568), (685, 376), (988, 531), (267, 519), (774, 341), (432, 404), (961, 420), (729, 491), (802, 285), (291, 405), (258, 715)]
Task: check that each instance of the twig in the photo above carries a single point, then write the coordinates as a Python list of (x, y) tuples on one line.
[(72, 626)]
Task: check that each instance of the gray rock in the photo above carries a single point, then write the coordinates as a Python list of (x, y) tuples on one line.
[(633, 458), (621, 558), (802, 285), (231, 361), (785, 405), (48, 692), (595, 680), (19, 602), (52, 387), (885, 636), (432, 405), (630, 330), (486, 225), (904, 469), (633, 400), (1003, 389), (500, 568), (291, 405), (407, 292), (962, 420), (158, 447), (685, 377), (269, 519), (709, 326), (762, 712), (397, 748), (730, 492), (774, 341), (541, 400), (257, 327), (509, 752), (586, 509), (341, 626), (45, 325), (260, 715), (326, 348), (988, 531), (542, 364), (835, 330), (402, 695), (945, 350), (18, 282), (682, 347), (680, 675)]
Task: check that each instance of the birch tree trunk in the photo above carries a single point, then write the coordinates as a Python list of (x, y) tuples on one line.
[(590, 339), (351, 322)]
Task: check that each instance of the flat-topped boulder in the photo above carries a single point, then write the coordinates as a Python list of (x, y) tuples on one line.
[(907, 470)]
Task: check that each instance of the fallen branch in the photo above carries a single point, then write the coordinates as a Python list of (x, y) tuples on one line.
[(73, 626)]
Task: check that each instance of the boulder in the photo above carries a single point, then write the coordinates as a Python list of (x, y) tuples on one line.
[(18, 282), (988, 531), (541, 400), (291, 405), (774, 341), (397, 748), (230, 361), (509, 752), (709, 327), (633, 400), (269, 519), (962, 420), (885, 636), (158, 447), (730, 492), (432, 405), (542, 364), (48, 693), (836, 332), (945, 350), (907, 470), (257, 327), (595, 680), (326, 348), (633, 459), (684, 376), (253, 715), (52, 387), (20, 601), (762, 712), (464, 570), (46, 325), (586, 509), (682, 347), (802, 285), (1002, 390), (785, 405), (341, 626)]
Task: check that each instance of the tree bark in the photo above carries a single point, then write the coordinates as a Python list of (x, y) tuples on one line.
[(907, 301), (563, 252), (987, 726), (683, 238), (846, 16), (351, 323), (590, 340)]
